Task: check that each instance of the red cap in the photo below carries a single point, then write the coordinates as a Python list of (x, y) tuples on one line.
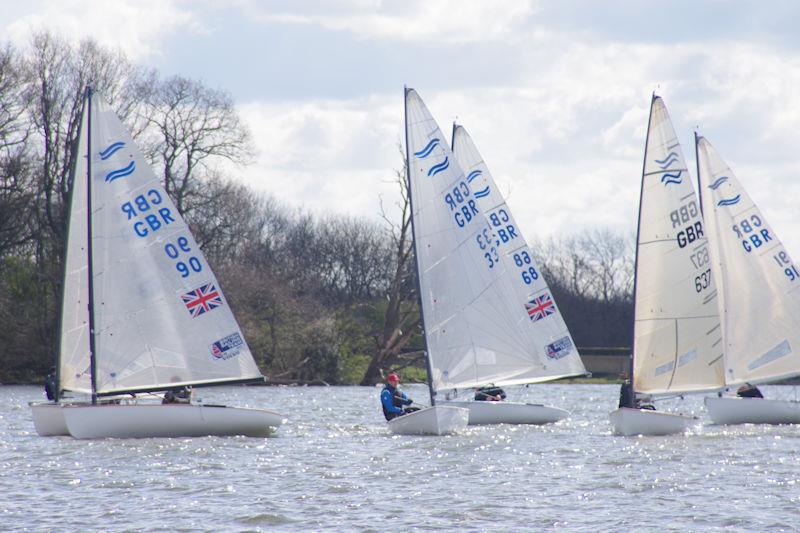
[(392, 377)]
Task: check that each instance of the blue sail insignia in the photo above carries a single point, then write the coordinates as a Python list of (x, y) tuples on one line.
[(719, 181), (425, 152), (482, 192), (111, 150), (439, 168), (121, 173), (472, 175), (667, 161), (666, 179), (730, 201)]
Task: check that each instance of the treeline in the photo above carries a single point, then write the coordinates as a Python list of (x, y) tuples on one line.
[(319, 298)]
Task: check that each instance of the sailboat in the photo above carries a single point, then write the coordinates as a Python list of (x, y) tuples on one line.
[(541, 347), (759, 299), (676, 333), (431, 170), (142, 312)]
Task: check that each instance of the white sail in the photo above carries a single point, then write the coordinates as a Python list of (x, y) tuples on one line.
[(546, 330), (159, 313), (677, 339), (474, 324), (74, 369), (760, 302)]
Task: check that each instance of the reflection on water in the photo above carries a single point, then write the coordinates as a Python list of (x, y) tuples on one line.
[(334, 467)]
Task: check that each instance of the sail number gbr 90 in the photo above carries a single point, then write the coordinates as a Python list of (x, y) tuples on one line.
[(180, 250)]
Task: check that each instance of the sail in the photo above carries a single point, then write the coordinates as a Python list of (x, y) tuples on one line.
[(548, 335), (74, 369), (160, 316), (474, 323), (677, 338), (759, 282)]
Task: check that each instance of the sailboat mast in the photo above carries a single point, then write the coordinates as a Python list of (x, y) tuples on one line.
[(416, 258), (92, 359), (697, 168), (638, 231)]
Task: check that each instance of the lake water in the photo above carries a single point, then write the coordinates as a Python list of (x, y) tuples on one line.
[(333, 467)]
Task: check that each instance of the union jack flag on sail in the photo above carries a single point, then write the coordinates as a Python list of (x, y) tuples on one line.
[(540, 307), (202, 299)]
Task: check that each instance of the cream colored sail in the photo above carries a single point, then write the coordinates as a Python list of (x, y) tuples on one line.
[(159, 313), (677, 338), (548, 332), (474, 322), (760, 284)]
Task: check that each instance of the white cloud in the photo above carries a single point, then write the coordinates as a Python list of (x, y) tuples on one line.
[(135, 26), (454, 21)]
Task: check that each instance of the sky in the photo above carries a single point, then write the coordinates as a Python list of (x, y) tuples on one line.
[(555, 94)]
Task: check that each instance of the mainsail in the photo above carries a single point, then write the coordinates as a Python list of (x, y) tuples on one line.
[(546, 328), (677, 339), (759, 282), (160, 317), (475, 324)]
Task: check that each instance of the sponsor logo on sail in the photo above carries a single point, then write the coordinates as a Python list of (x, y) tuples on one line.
[(560, 348), (227, 347)]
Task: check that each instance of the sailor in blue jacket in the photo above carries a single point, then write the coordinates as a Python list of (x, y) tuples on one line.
[(392, 400)]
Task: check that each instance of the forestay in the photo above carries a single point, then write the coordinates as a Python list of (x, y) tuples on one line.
[(475, 325), (677, 338), (546, 330), (74, 368), (759, 298), (160, 316)]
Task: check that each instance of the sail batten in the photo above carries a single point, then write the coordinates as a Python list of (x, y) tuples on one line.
[(758, 302), (676, 334)]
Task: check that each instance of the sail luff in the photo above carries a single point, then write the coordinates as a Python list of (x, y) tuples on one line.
[(431, 390), (89, 249)]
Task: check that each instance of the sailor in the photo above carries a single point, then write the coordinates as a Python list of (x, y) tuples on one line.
[(392, 400), (749, 391), (178, 395), (50, 384), (627, 398), (490, 394)]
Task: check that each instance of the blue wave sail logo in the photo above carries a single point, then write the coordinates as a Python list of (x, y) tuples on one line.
[(111, 150), (441, 167), (667, 161), (719, 181), (121, 173), (669, 178), (730, 201), (482, 193), (472, 175), (425, 152)]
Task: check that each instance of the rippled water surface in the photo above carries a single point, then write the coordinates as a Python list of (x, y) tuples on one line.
[(334, 467)]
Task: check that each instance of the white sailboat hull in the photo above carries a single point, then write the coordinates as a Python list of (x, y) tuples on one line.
[(436, 420), (167, 420), (752, 411), (627, 421), (508, 412), (48, 419)]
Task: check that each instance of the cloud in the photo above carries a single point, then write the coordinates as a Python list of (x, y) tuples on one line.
[(451, 21), (135, 26)]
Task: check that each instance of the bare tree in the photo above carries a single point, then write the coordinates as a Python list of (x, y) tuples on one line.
[(401, 318), (192, 129)]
